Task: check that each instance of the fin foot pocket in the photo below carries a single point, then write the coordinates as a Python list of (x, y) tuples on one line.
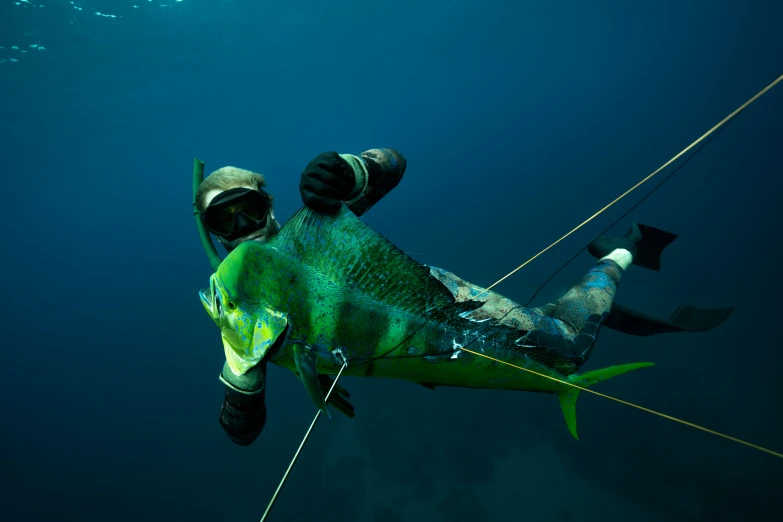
[(644, 242)]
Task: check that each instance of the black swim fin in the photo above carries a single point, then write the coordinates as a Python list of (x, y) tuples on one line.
[(644, 242), (685, 319)]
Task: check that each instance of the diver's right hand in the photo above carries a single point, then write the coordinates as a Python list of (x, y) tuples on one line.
[(326, 182)]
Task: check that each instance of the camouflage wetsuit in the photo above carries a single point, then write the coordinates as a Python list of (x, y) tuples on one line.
[(567, 327)]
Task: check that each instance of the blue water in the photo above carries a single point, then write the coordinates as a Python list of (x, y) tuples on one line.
[(518, 119)]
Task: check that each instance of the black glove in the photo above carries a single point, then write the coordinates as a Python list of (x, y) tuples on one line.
[(327, 181), (243, 416)]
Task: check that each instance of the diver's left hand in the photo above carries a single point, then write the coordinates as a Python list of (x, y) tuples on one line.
[(338, 399), (326, 182)]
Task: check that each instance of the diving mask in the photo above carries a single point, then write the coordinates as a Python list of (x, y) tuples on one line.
[(236, 213)]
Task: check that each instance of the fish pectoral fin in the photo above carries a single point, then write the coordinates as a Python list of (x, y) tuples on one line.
[(307, 369), (339, 397), (462, 309), (569, 394)]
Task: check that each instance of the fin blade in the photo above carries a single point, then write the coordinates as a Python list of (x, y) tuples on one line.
[(568, 395), (685, 318), (651, 246), (629, 321), (691, 319)]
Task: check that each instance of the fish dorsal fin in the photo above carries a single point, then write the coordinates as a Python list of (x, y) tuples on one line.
[(348, 253)]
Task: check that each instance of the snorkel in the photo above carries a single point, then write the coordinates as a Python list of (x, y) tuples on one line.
[(206, 240)]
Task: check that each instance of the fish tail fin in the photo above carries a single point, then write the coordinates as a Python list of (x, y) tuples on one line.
[(568, 395)]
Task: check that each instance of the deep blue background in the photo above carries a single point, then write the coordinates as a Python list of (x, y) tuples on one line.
[(518, 119)]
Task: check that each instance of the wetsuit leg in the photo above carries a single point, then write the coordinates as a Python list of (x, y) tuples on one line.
[(573, 326), (545, 310), (592, 296), (567, 327)]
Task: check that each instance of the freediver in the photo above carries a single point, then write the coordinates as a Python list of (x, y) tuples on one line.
[(235, 207)]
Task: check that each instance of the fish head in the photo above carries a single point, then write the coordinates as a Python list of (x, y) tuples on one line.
[(244, 308), (248, 329)]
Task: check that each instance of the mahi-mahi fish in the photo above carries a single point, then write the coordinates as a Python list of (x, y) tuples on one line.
[(328, 289)]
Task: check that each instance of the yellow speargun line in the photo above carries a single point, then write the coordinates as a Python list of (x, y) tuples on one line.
[(711, 131), (648, 410), (675, 419), (621, 196)]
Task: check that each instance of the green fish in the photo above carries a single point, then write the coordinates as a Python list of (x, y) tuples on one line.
[(328, 289)]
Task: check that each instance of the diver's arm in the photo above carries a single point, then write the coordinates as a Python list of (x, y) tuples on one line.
[(331, 179), (243, 414), (376, 172)]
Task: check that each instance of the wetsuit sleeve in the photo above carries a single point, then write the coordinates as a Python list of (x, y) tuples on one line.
[(377, 172), (243, 414)]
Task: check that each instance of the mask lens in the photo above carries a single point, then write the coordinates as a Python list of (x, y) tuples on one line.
[(220, 214), (221, 222), (254, 205)]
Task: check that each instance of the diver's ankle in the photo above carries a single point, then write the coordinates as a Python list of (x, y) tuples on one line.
[(620, 256)]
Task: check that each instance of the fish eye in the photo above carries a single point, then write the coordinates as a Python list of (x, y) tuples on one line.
[(230, 305)]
